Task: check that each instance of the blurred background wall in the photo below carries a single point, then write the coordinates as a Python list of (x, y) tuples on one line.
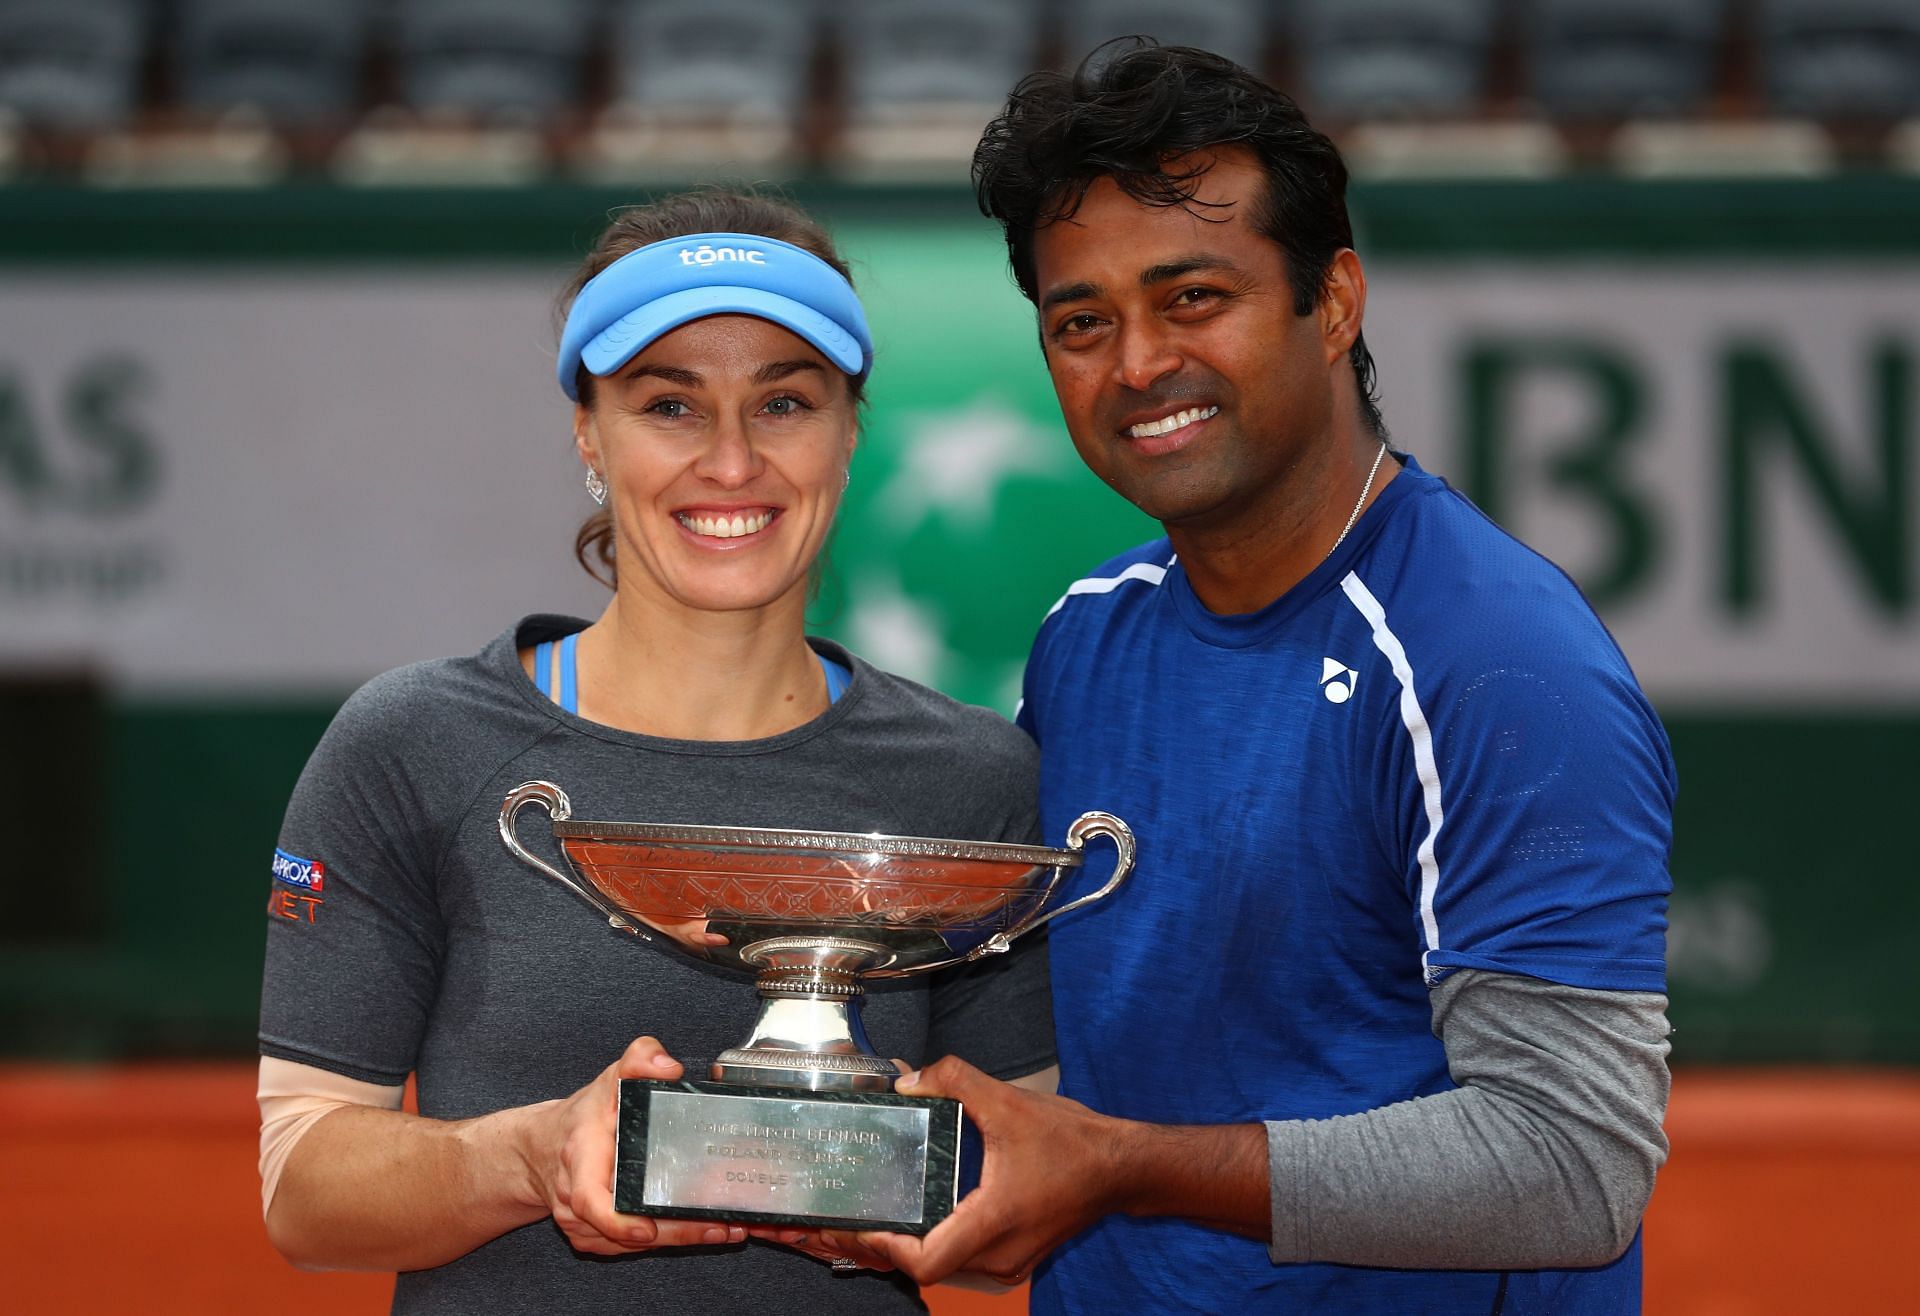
[(277, 410), (236, 483)]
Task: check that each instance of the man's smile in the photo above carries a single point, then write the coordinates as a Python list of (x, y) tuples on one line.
[(1167, 424)]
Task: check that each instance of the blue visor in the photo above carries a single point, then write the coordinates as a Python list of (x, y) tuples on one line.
[(660, 287)]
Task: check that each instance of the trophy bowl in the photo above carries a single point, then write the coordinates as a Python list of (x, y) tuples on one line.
[(811, 915)]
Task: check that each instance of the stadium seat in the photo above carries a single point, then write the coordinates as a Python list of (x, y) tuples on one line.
[(1841, 58), (1368, 58), (71, 64), (708, 57), (922, 77), (1234, 28), (1623, 58), (899, 54), (492, 58), (701, 86), (296, 61)]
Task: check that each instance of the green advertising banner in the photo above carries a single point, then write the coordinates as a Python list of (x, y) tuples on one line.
[(236, 480)]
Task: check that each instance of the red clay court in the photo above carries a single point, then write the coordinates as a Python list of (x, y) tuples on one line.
[(132, 1189)]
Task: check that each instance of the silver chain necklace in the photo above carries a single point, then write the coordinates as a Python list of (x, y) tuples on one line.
[(1365, 489)]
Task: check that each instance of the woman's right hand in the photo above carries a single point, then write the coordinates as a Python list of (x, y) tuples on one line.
[(574, 1166)]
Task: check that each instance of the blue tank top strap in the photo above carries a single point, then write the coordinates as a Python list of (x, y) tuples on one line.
[(569, 697), (838, 677), (542, 666)]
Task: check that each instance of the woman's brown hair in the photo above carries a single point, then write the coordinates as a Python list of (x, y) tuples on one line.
[(706, 210)]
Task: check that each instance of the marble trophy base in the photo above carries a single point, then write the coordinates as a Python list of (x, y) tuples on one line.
[(847, 1160)]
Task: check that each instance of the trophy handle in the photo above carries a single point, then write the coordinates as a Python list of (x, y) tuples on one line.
[(1090, 823), (559, 808)]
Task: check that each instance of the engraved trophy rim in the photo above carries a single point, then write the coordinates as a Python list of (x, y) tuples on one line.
[(785, 839)]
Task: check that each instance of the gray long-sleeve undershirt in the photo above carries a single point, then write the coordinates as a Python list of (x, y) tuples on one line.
[(1544, 1156)]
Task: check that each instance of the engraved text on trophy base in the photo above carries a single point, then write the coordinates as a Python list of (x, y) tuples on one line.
[(781, 1156)]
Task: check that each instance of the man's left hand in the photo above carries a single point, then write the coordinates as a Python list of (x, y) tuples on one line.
[(1051, 1168)]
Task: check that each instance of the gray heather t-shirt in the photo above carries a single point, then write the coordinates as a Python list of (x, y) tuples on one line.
[(424, 947)]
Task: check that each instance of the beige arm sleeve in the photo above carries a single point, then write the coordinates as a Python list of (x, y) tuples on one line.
[(295, 1097)]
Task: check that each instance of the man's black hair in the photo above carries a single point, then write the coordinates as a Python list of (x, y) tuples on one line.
[(1130, 108)]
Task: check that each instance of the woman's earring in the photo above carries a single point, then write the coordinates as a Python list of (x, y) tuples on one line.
[(847, 482), (596, 487)]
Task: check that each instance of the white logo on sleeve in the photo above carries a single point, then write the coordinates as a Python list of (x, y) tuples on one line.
[(1336, 679)]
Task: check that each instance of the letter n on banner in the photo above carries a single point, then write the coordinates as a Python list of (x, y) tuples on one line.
[(1767, 414)]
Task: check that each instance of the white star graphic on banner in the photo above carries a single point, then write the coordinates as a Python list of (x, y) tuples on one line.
[(895, 632), (954, 461)]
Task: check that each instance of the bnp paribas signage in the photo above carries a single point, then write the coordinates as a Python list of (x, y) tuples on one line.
[(1725, 460), (293, 479), (80, 469), (1770, 434)]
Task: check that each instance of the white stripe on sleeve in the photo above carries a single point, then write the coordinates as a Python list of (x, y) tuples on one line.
[(1429, 772), (1142, 571)]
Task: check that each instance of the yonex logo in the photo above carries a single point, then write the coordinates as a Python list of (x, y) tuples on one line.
[(705, 255), (1336, 680)]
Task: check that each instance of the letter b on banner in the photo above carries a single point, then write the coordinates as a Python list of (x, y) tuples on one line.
[(1587, 464)]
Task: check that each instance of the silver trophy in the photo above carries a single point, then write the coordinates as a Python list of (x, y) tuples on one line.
[(801, 1124)]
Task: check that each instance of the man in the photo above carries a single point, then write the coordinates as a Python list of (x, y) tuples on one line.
[(1378, 1024)]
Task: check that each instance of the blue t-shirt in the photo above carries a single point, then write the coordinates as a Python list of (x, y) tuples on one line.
[(1428, 755)]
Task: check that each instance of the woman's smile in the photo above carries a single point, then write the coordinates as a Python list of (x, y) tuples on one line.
[(724, 524)]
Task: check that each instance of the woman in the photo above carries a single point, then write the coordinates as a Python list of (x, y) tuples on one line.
[(715, 354)]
